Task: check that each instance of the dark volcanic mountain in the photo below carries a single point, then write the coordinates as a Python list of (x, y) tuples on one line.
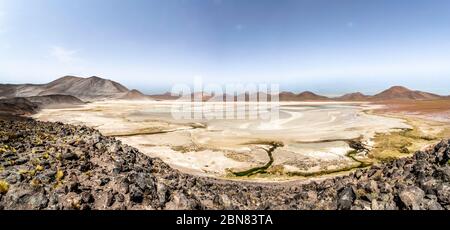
[(30, 105), (55, 101), (17, 106), (88, 89), (402, 93)]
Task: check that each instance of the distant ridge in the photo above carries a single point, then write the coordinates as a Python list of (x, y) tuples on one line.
[(164, 96), (353, 97), (304, 96), (135, 95), (310, 96), (393, 93)]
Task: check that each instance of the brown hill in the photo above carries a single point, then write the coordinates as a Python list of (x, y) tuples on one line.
[(353, 97), (310, 96), (287, 96), (135, 95), (85, 88), (402, 93), (304, 96), (92, 88)]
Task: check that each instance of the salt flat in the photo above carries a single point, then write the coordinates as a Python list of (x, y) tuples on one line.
[(311, 136)]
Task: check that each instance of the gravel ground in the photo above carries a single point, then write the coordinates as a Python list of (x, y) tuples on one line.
[(45, 165)]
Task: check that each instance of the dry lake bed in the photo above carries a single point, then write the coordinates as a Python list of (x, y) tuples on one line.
[(307, 139)]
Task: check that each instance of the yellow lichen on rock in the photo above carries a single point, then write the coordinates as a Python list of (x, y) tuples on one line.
[(4, 187), (59, 175)]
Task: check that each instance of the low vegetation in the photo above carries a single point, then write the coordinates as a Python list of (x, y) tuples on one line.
[(403, 143)]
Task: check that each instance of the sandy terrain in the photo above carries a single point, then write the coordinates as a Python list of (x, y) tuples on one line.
[(312, 136), (437, 110)]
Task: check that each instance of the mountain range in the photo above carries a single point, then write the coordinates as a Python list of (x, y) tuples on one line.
[(95, 88), (393, 93)]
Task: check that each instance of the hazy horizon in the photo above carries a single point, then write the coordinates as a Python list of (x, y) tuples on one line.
[(156, 91), (328, 47)]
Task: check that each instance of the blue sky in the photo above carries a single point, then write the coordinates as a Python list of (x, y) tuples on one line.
[(327, 46)]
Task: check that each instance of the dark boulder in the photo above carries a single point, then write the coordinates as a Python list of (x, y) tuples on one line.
[(346, 197)]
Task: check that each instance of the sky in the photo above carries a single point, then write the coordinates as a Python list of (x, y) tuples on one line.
[(326, 46)]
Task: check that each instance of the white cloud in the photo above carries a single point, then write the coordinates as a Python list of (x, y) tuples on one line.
[(63, 55)]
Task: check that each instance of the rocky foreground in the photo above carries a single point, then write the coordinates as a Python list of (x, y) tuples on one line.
[(57, 166)]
